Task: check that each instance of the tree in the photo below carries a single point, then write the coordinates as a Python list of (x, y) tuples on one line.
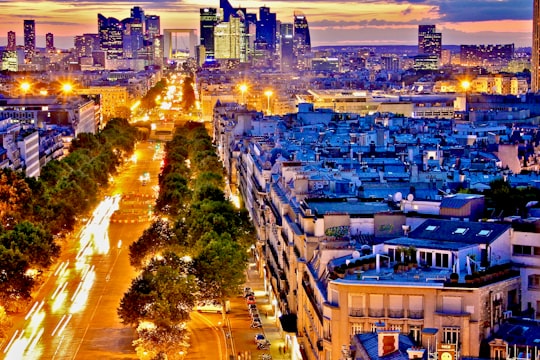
[(161, 342), (15, 285), (152, 241), (220, 268), (188, 94), (14, 195), (34, 242)]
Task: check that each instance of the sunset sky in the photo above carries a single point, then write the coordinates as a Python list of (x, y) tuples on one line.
[(359, 22)]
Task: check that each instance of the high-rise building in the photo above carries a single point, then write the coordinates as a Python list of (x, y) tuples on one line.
[(138, 13), (208, 20), (11, 41), (429, 40), (301, 40), (230, 40), (286, 33), (111, 37), (86, 44), (152, 26), (133, 38), (49, 42), (535, 56), (266, 28), (227, 9), (29, 39)]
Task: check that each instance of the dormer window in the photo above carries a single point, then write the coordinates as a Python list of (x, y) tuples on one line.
[(460, 231)]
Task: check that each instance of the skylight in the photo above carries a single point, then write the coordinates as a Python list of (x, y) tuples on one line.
[(484, 232), (461, 231), (431, 228)]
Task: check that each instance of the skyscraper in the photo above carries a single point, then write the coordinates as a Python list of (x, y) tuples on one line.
[(429, 41), (152, 26), (11, 41), (301, 40), (227, 9), (86, 44), (535, 56), (29, 39), (266, 28), (111, 37), (49, 42), (286, 31), (208, 21)]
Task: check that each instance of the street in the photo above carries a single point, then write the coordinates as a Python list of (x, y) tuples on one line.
[(73, 315)]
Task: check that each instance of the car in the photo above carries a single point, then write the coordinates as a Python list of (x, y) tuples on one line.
[(247, 290), (250, 300), (261, 339), (250, 293), (254, 312), (252, 306)]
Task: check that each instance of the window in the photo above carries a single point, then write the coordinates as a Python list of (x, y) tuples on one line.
[(522, 250), (484, 233), (395, 327), (441, 260), (431, 228), (450, 335), (534, 282), (460, 231), (356, 328), (451, 305), (426, 258), (416, 333)]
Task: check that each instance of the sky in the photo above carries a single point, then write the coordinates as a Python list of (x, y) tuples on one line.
[(340, 22)]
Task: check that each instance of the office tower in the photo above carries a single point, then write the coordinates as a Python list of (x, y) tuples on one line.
[(29, 40), (208, 20), (286, 32), (230, 39), (86, 44), (138, 13), (152, 27), (49, 42), (429, 41), (11, 41), (301, 40), (111, 37), (266, 28), (133, 38), (227, 9), (535, 56), (477, 55)]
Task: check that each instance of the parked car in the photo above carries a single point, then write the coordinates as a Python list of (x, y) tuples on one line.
[(261, 339), (247, 290), (252, 306), (250, 299)]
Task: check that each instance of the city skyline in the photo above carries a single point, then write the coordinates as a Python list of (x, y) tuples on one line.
[(374, 23)]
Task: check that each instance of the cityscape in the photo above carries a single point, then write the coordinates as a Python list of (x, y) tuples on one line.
[(239, 186)]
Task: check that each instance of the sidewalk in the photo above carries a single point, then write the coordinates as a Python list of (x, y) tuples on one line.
[(269, 321)]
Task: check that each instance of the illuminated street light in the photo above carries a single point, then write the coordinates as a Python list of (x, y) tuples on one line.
[(67, 88), (243, 89), (268, 94), (465, 85), (25, 87)]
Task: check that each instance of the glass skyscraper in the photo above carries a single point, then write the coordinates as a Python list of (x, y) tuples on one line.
[(535, 56), (29, 39), (208, 20)]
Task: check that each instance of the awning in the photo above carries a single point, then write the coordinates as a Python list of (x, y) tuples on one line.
[(288, 323)]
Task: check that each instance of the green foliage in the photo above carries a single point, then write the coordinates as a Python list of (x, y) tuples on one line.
[(152, 242)]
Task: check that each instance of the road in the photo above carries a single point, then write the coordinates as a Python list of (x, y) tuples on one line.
[(74, 312)]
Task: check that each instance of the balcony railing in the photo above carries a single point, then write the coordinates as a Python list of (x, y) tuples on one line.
[(376, 313), (416, 314), (396, 313), (357, 312)]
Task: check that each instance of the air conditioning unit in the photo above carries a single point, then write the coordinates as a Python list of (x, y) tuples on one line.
[(507, 314)]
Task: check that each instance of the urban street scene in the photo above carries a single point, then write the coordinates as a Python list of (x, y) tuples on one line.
[(290, 180)]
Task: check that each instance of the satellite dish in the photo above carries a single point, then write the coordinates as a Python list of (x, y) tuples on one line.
[(398, 197), (355, 254), (410, 197)]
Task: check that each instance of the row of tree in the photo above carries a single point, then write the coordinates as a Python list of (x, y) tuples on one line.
[(36, 212), (199, 253)]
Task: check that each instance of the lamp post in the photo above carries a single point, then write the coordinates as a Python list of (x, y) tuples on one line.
[(268, 94), (25, 87), (243, 89), (465, 85)]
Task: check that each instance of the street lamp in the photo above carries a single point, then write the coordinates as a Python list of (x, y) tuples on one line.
[(25, 87), (268, 94), (243, 89), (67, 88)]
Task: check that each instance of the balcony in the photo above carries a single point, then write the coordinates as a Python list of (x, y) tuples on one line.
[(376, 313), (396, 314), (416, 314), (357, 312)]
